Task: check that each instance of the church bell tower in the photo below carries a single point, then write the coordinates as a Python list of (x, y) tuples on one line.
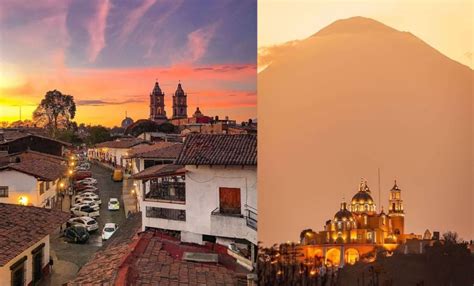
[(180, 106), (395, 210), (157, 104)]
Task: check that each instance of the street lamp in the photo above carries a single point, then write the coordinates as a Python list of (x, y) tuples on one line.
[(23, 200)]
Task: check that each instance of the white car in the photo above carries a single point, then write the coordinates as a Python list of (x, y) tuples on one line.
[(114, 204), (89, 223), (90, 195), (90, 188), (108, 230), (89, 180), (87, 183), (84, 210), (93, 205), (82, 200)]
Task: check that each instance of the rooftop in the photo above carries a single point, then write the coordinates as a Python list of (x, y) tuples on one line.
[(23, 226), (166, 150), (10, 135), (219, 149), (122, 143), (151, 257), (159, 171), (42, 166)]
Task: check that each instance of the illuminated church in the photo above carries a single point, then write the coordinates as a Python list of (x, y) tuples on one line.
[(357, 228), (157, 104)]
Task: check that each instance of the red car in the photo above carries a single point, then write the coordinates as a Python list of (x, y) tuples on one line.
[(82, 175)]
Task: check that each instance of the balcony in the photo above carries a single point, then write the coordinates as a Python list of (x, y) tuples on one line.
[(173, 192), (232, 225)]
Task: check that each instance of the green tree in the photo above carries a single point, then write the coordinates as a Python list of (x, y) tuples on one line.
[(55, 111), (97, 134)]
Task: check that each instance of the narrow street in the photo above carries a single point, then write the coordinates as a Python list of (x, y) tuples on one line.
[(69, 257)]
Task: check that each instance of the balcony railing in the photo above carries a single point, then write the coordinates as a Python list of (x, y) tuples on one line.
[(165, 213), (251, 219), (167, 191)]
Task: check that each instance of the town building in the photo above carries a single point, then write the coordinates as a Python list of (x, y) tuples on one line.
[(115, 152), (160, 137), (32, 178), (19, 140), (208, 195), (25, 243), (142, 157), (357, 229)]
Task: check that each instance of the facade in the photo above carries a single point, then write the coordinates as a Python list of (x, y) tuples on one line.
[(180, 105), (208, 195), (357, 229), (157, 104), (115, 152), (32, 178), (25, 249)]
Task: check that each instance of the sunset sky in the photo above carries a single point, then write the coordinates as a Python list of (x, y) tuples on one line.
[(107, 54), (446, 25)]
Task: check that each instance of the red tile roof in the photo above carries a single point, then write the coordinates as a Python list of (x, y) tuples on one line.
[(42, 166), (219, 149), (146, 260), (159, 171), (12, 135), (165, 150), (23, 226), (122, 143)]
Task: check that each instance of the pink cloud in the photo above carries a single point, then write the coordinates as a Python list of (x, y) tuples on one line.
[(198, 41), (96, 29), (133, 18)]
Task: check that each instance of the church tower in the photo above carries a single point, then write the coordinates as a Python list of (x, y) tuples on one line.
[(180, 106), (395, 210), (157, 104)]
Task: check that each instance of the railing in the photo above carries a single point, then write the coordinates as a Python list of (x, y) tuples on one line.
[(251, 219), (233, 213), (169, 191)]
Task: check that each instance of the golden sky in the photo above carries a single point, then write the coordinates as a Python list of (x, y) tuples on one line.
[(442, 24)]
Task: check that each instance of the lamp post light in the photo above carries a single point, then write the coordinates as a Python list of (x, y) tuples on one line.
[(23, 200)]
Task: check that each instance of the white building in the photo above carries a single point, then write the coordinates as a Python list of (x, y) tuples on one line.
[(24, 243), (211, 196), (32, 178), (115, 152)]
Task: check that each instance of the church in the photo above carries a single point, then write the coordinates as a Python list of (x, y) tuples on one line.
[(157, 104), (357, 229)]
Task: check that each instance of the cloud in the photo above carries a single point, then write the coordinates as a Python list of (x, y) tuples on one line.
[(99, 102), (133, 18), (266, 55), (198, 41), (96, 29)]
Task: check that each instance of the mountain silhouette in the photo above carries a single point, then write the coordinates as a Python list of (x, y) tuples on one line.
[(354, 97)]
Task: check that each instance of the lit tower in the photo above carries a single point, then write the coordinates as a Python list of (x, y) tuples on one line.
[(157, 104), (180, 106), (395, 210)]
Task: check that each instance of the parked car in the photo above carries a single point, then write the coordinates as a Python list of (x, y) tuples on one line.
[(114, 204), (91, 204), (89, 223), (82, 200), (76, 233), (80, 175), (87, 181), (84, 210), (109, 230), (117, 175), (94, 198), (86, 187)]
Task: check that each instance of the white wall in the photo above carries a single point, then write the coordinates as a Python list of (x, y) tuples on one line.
[(5, 272), (19, 184)]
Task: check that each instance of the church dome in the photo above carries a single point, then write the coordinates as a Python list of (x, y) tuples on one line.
[(362, 201), (197, 113), (127, 122), (343, 213)]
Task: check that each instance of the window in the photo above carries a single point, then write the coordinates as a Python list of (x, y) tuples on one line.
[(41, 186), (165, 213), (37, 255), (229, 200), (3, 191), (47, 185), (18, 272)]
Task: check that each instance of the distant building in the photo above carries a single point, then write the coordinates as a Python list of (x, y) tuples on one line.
[(357, 229), (127, 121), (157, 104), (115, 152), (20, 140), (25, 243)]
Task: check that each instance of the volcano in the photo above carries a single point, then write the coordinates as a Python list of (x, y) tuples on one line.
[(354, 98)]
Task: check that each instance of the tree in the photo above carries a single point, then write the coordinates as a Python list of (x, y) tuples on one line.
[(97, 134), (55, 111)]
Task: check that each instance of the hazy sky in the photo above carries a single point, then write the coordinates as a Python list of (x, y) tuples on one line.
[(446, 25), (108, 53)]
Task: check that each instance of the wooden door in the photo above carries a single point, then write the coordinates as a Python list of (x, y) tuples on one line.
[(229, 200)]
